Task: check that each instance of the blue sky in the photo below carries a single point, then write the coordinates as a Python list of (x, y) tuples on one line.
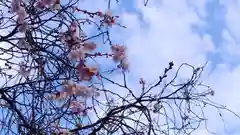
[(192, 31)]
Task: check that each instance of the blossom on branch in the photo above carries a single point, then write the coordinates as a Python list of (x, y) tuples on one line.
[(22, 44), (108, 18), (77, 54), (15, 6), (119, 55), (76, 107), (23, 70), (118, 52), (41, 4), (23, 27), (74, 29), (81, 50), (57, 5), (124, 64), (89, 46), (63, 132), (85, 72), (70, 88), (21, 15)]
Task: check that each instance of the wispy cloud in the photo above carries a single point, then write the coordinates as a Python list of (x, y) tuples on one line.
[(164, 31)]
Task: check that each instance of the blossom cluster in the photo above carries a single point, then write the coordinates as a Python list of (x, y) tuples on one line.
[(107, 18), (23, 44), (24, 70), (70, 88), (63, 132), (41, 4), (78, 49), (21, 15), (119, 55), (74, 42), (86, 72)]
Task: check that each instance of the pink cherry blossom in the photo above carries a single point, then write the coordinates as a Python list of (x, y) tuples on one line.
[(73, 26), (89, 46), (62, 36), (22, 43), (48, 2), (80, 52), (21, 15), (119, 55), (86, 73), (109, 20), (57, 4), (23, 70), (23, 27), (62, 95), (40, 5), (15, 6), (70, 88), (59, 95), (63, 132), (83, 91), (124, 64), (77, 54), (74, 29), (74, 55), (76, 107), (118, 49), (118, 52)]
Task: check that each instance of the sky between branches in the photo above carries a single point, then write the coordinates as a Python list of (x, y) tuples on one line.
[(192, 31)]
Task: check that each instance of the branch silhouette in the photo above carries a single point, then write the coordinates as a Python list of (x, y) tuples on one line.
[(52, 81)]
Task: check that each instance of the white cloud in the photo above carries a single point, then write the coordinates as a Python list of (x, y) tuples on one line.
[(162, 33), (232, 19), (200, 6), (231, 34), (168, 37), (224, 81)]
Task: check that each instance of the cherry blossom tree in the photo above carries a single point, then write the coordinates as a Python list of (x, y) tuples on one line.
[(53, 81)]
